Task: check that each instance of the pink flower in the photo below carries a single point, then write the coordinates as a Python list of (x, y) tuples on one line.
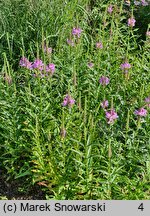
[(47, 50), (148, 33), (104, 80), (99, 45), (70, 42), (141, 112), (50, 68), (68, 100), (24, 62), (90, 65), (144, 3), (8, 79), (110, 9), (125, 66), (104, 104), (38, 64), (111, 116), (76, 32), (131, 22), (147, 100)]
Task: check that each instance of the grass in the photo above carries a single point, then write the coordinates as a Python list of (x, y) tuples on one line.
[(93, 159)]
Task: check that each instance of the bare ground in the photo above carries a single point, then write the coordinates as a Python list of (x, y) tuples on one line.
[(12, 190)]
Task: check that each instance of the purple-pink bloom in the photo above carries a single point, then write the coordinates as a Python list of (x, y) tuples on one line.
[(104, 80), (125, 66), (144, 3), (90, 65), (99, 45), (24, 62), (70, 42), (111, 116), (8, 79), (141, 112), (104, 104), (148, 33), (131, 22), (76, 32), (71, 101), (65, 101), (50, 68), (38, 64), (47, 50), (110, 9), (68, 100), (147, 100)]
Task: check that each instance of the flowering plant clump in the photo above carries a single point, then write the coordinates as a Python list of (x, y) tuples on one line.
[(148, 33), (8, 79), (131, 22), (74, 109), (110, 9), (47, 50), (76, 32), (104, 104), (144, 3), (141, 112), (104, 80), (70, 42), (125, 66), (50, 68), (147, 101), (99, 45), (38, 65), (24, 62), (68, 101), (90, 65), (111, 116)]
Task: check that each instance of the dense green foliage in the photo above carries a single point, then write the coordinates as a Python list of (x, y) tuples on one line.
[(94, 159)]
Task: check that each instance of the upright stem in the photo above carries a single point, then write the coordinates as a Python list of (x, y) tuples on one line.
[(109, 168)]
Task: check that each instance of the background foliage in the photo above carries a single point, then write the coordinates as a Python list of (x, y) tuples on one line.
[(94, 160)]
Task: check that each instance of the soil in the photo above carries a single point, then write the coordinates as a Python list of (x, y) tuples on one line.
[(11, 190)]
